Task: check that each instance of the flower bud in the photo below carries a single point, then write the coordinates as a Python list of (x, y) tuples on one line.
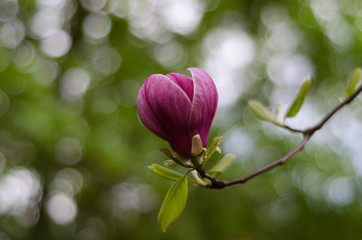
[(196, 146), (176, 108)]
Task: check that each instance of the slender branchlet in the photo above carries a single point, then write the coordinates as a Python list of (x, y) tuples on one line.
[(307, 134)]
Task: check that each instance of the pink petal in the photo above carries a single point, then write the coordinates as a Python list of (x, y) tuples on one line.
[(147, 116), (204, 104), (184, 82), (165, 109)]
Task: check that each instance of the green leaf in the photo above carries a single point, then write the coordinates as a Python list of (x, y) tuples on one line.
[(222, 165), (165, 172), (277, 110), (261, 112), (213, 147), (174, 203), (353, 82), (168, 173), (299, 99)]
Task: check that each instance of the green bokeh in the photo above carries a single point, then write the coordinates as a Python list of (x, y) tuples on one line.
[(74, 154)]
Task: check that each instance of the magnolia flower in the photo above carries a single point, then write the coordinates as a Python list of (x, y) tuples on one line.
[(176, 108)]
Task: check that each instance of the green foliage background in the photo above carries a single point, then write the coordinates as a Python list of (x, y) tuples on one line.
[(74, 155)]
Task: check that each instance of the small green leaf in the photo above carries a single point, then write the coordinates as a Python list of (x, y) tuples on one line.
[(277, 110), (167, 173), (353, 82), (222, 165), (299, 99), (174, 203), (261, 112), (214, 145), (218, 149)]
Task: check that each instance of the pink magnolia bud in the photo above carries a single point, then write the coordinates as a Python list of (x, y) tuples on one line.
[(176, 107)]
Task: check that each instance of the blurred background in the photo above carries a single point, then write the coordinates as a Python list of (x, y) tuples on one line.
[(74, 154)]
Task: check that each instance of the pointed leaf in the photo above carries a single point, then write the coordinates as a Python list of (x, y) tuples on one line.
[(168, 173), (165, 172), (218, 149), (222, 165), (213, 146), (299, 99), (174, 203), (277, 110), (261, 112), (353, 82)]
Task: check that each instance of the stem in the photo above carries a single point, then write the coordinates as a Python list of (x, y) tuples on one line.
[(293, 129), (271, 165), (198, 180), (336, 109), (307, 134)]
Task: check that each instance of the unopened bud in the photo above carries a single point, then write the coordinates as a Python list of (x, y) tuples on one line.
[(196, 145)]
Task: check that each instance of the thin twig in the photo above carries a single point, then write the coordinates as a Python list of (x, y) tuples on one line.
[(271, 165), (336, 109), (292, 129), (198, 180), (308, 133)]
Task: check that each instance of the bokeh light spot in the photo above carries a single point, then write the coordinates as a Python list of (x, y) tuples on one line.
[(57, 44), (340, 190), (20, 190), (61, 208), (107, 60), (45, 23), (93, 5), (170, 54), (54, 4), (96, 26), (24, 54), (228, 50), (69, 151), (68, 180), (8, 9), (292, 70), (12, 33), (182, 16), (74, 83)]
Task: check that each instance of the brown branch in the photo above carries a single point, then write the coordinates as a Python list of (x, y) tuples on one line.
[(308, 133), (292, 129)]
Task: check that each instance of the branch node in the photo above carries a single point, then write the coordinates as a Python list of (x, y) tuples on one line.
[(217, 184)]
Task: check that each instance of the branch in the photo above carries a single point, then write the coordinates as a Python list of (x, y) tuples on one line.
[(307, 134), (336, 109)]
